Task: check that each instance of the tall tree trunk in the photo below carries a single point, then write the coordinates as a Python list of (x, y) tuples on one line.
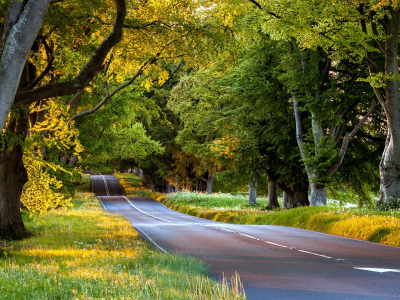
[(252, 194), (318, 192), (272, 194), (297, 196), (13, 176), (285, 200), (210, 183), (390, 163)]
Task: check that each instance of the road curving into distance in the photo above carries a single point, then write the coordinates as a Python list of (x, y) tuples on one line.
[(274, 262)]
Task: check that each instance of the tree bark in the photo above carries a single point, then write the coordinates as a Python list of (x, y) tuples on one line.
[(22, 26), (210, 183), (318, 195), (272, 194), (297, 196), (13, 176), (252, 194), (285, 200), (390, 163)]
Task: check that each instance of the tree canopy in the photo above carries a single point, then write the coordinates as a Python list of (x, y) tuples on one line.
[(195, 92)]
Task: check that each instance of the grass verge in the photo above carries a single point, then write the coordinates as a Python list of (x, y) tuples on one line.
[(364, 224), (85, 253)]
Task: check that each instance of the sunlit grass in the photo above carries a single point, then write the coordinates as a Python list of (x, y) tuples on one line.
[(86, 253)]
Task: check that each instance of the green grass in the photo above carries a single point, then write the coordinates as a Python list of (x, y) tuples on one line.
[(85, 253)]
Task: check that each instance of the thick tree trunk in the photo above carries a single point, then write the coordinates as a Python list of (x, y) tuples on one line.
[(13, 176), (390, 163), (23, 23), (210, 183), (272, 194), (390, 169), (318, 195), (252, 194), (297, 196)]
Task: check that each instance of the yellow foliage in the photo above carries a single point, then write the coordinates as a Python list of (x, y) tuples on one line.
[(38, 195), (226, 146), (63, 132)]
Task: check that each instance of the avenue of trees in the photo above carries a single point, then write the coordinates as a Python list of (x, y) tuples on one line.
[(297, 95)]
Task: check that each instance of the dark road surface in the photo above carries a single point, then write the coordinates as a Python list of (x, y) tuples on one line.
[(274, 262)]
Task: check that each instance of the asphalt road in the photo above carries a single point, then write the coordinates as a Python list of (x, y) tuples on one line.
[(274, 262)]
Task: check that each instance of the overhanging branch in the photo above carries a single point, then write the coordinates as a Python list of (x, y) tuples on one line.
[(109, 96), (87, 72)]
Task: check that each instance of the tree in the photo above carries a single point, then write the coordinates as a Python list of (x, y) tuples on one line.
[(358, 30), (19, 36), (153, 29)]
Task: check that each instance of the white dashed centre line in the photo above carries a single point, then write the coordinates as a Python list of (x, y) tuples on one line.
[(105, 184), (243, 234), (314, 253)]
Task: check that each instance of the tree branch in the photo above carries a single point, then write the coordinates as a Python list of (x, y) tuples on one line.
[(299, 130), (381, 98), (41, 76), (373, 64), (374, 30), (109, 96), (88, 71), (256, 3), (346, 140)]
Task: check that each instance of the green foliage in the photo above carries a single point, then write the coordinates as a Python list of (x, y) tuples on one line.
[(8, 139), (320, 157), (378, 80), (118, 132)]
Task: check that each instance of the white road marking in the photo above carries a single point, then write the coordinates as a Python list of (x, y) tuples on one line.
[(249, 236), (379, 270), (275, 244), (150, 239), (153, 242), (246, 235), (102, 204), (105, 184), (146, 213), (252, 237), (314, 253)]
